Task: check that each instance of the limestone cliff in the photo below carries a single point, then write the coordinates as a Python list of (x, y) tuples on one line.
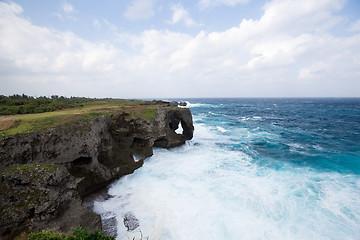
[(44, 175)]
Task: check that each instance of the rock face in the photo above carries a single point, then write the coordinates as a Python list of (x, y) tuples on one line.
[(64, 164), (41, 196)]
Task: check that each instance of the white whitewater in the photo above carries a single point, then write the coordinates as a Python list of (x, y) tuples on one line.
[(200, 191)]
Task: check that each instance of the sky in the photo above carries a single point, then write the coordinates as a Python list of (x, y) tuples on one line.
[(180, 49)]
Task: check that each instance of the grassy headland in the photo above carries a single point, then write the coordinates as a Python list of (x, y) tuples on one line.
[(69, 110)]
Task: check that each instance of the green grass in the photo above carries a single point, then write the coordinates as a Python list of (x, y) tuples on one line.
[(150, 113), (146, 112), (39, 167), (38, 122), (22, 104), (28, 123), (79, 234)]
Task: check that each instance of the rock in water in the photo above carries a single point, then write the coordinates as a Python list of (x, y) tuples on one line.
[(130, 221), (109, 226)]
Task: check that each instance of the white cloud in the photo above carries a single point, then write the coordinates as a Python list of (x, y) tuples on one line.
[(30, 54), (67, 8), (11, 7), (278, 51), (110, 25), (180, 14), (355, 27), (287, 52), (302, 15), (203, 4), (96, 24), (140, 9), (316, 70), (67, 12), (293, 17)]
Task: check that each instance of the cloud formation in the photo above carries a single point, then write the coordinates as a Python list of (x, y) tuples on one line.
[(203, 4), (67, 12), (34, 58), (180, 14), (288, 51), (356, 26), (140, 9), (67, 8)]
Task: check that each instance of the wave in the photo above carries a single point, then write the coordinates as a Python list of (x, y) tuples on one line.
[(230, 182), (221, 129), (205, 105)]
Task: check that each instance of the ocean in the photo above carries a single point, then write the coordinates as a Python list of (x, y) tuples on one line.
[(255, 169)]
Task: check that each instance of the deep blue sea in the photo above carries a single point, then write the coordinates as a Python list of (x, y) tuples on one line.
[(255, 169)]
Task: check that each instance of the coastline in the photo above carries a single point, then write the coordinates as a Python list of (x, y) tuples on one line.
[(62, 165)]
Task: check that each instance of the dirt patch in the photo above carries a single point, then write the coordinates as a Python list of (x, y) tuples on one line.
[(8, 122)]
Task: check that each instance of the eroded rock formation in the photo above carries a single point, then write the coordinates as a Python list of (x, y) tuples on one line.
[(64, 164)]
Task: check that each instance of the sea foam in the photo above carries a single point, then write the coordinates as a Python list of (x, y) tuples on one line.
[(220, 186)]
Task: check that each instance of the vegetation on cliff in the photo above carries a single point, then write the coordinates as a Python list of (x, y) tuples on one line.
[(50, 161), (79, 233), (44, 112), (23, 104), (30, 176)]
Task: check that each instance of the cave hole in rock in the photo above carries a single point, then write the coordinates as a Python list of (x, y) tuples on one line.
[(161, 142), (140, 142), (176, 124), (180, 129), (82, 161)]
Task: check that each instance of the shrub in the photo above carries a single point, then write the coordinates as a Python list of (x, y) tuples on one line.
[(79, 234)]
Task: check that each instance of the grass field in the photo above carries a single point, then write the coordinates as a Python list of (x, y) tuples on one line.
[(26, 123)]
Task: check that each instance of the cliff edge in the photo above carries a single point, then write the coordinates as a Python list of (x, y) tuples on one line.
[(46, 174)]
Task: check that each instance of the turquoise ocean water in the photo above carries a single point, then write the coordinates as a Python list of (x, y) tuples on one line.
[(255, 169)]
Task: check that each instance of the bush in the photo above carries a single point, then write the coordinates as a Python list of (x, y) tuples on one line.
[(47, 235), (79, 234), (22, 104)]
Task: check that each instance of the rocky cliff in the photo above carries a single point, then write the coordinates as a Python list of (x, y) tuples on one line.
[(45, 175)]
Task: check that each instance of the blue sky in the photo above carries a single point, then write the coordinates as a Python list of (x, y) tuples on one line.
[(168, 49)]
